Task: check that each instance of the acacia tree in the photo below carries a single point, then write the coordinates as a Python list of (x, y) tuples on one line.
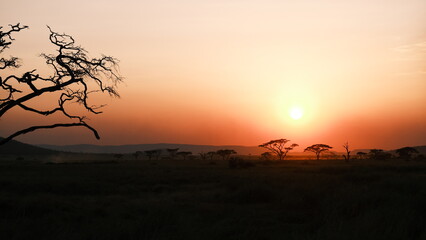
[(172, 152), (318, 149), (361, 155), (266, 156), (211, 155), (225, 153), (406, 152), (278, 147), (379, 154), (153, 153), (75, 78)]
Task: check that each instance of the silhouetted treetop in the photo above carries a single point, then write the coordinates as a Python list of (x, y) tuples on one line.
[(278, 147), (348, 152), (318, 149), (76, 76), (225, 153), (406, 152), (6, 36)]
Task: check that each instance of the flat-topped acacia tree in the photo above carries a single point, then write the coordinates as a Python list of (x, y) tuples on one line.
[(318, 149), (75, 77), (278, 147), (406, 152)]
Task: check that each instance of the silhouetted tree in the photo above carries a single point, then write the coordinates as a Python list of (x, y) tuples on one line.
[(379, 154), (361, 155), (118, 156), (151, 153), (406, 152), (157, 153), (266, 156), (137, 154), (278, 147), (172, 152), (348, 153), (183, 154), (203, 155), (225, 153), (375, 152), (211, 155), (75, 77), (318, 149)]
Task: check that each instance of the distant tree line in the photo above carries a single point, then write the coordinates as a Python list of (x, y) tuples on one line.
[(277, 149)]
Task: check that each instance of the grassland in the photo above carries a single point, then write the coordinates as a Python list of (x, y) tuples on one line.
[(176, 199)]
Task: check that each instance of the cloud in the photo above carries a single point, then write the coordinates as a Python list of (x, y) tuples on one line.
[(421, 72), (412, 57), (419, 47)]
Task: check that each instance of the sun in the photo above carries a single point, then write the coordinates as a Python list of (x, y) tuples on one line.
[(296, 113)]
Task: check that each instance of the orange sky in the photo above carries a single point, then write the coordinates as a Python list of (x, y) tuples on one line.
[(227, 72)]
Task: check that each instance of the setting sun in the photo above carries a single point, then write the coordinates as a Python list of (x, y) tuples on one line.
[(296, 113)]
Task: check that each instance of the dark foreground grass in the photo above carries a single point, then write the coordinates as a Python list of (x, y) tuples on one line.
[(196, 200)]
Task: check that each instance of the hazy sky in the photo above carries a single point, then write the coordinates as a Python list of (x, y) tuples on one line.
[(227, 72)]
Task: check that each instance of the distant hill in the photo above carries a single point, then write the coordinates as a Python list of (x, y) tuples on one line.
[(421, 149), (88, 148), (19, 148)]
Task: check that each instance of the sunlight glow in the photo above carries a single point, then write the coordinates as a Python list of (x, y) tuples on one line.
[(296, 113)]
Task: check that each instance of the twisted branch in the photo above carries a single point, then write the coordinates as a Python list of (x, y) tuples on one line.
[(73, 71)]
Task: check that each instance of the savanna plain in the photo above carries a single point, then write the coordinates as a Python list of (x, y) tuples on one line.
[(195, 199)]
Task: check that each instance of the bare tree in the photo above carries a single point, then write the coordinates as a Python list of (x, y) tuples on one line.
[(6, 40), (225, 153), (348, 153), (75, 78), (278, 147), (318, 149)]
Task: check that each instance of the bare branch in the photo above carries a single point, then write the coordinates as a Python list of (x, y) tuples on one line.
[(75, 77), (31, 129)]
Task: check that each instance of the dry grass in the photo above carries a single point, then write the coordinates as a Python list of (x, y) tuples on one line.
[(192, 199)]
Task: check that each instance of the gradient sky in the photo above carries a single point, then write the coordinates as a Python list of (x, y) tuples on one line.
[(228, 71)]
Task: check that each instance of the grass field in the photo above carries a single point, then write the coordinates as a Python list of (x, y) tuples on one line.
[(198, 200)]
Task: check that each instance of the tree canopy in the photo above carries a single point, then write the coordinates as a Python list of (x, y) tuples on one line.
[(318, 149), (406, 152), (278, 147), (75, 77)]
